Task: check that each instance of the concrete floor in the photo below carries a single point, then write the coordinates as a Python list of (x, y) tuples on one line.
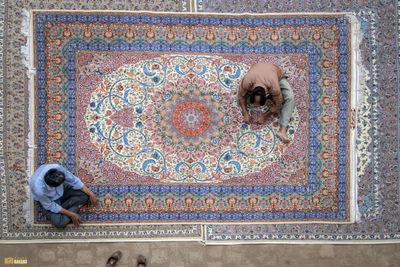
[(193, 254)]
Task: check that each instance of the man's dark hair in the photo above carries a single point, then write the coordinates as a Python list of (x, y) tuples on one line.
[(258, 91), (54, 177)]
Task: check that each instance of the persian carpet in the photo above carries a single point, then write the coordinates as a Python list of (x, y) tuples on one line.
[(143, 108)]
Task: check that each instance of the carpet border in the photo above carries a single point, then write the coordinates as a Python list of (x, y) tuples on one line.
[(192, 12), (304, 242), (398, 81), (3, 111)]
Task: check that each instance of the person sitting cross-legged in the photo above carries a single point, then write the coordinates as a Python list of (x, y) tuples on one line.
[(266, 81), (60, 193)]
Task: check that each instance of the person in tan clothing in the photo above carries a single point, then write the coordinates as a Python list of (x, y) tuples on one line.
[(267, 81)]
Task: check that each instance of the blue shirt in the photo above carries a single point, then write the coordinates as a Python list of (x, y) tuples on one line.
[(46, 194)]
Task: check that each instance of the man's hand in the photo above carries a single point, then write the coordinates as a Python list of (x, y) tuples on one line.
[(93, 199), (76, 219), (246, 118), (263, 118), (242, 104)]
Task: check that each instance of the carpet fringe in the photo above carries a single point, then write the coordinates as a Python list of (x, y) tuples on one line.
[(360, 89), (359, 72), (27, 60)]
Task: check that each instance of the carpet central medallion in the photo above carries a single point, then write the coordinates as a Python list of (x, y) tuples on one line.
[(176, 118)]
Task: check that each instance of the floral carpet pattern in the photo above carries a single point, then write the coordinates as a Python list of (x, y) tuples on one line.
[(378, 185), (143, 108), (169, 122), (196, 124)]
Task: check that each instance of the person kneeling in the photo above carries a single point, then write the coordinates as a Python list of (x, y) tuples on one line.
[(266, 80), (60, 193)]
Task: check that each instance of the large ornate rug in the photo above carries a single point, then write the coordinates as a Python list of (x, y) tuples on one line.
[(237, 198), (143, 108)]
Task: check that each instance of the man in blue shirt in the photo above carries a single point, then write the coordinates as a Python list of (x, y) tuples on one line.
[(61, 193)]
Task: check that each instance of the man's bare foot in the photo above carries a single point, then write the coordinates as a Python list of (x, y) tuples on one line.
[(282, 135)]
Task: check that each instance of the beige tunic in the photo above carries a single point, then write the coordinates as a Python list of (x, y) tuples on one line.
[(266, 75)]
